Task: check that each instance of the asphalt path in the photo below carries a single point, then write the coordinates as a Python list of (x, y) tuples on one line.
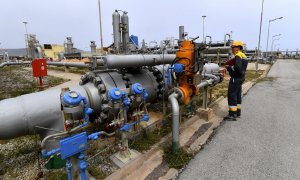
[(265, 142)]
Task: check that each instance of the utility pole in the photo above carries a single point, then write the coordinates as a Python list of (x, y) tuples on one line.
[(258, 47), (100, 21)]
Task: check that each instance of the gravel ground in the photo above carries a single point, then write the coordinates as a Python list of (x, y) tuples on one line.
[(265, 142)]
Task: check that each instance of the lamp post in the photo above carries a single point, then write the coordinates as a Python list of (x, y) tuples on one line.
[(258, 47), (271, 20), (26, 39), (203, 28), (273, 40), (100, 21)]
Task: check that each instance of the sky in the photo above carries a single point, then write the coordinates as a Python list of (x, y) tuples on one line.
[(53, 20)]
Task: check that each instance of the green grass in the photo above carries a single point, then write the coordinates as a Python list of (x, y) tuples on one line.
[(148, 139), (57, 175), (97, 172), (16, 81), (178, 160)]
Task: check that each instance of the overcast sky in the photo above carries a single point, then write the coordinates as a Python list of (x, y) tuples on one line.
[(53, 20)]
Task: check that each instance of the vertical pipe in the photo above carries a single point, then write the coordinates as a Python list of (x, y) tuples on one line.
[(125, 31), (100, 21), (181, 35), (116, 31), (175, 121)]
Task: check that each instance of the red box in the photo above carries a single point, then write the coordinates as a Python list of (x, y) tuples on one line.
[(39, 67)]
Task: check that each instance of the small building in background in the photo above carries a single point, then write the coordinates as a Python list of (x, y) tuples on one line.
[(52, 51)]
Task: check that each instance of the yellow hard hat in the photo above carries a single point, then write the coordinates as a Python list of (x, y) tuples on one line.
[(237, 44)]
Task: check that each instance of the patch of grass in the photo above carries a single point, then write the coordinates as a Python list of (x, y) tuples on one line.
[(178, 160), (252, 75), (97, 172), (148, 139), (16, 81), (266, 79)]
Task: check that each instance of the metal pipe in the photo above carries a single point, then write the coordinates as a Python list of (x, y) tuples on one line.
[(116, 30), (133, 61), (175, 121), (13, 64), (125, 31), (225, 40), (215, 55), (68, 64), (20, 115), (205, 83)]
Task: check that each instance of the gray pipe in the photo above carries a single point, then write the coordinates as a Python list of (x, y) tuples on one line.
[(225, 40), (13, 64), (133, 61), (20, 115), (125, 31), (116, 30), (215, 55), (205, 83), (68, 64), (175, 121)]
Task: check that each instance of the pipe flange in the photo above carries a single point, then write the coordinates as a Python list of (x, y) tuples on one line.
[(159, 79), (179, 92)]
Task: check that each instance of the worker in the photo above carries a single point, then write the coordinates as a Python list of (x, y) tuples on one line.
[(237, 68)]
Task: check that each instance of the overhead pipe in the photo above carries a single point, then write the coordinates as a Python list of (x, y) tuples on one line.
[(139, 60), (175, 121), (68, 64)]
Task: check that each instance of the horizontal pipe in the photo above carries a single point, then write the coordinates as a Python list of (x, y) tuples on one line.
[(205, 83), (175, 121), (68, 64), (13, 64), (25, 114), (132, 61), (215, 55)]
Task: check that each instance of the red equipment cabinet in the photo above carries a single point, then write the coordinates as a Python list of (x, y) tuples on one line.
[(39, 67)]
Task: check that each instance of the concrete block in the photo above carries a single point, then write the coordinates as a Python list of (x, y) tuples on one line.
[(205, 114)]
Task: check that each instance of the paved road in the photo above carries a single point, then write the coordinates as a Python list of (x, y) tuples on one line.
[(265, 142)]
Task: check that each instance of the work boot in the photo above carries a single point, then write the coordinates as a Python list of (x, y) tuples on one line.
[(230, 117), (238, 113)]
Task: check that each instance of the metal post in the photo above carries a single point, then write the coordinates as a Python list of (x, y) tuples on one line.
[(100, 21), (258, 47), (271, 20), (203, 28), (205, 97), (26, 39)]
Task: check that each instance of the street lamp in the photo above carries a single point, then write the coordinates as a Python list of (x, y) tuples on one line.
[(273, 40), (271, 20), (26, 38), (258, 47), (203, 28)]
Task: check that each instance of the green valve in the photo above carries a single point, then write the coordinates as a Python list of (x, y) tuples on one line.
[(55, 162)]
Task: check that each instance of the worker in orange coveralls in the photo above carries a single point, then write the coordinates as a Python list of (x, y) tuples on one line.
[(237, 68)]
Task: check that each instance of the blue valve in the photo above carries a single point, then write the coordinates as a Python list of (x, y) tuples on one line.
[(126, 127), (178, 68)]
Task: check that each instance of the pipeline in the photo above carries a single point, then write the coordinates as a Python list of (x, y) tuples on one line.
[(175, 121), (13, 64), (131, 61), (68, 64)]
